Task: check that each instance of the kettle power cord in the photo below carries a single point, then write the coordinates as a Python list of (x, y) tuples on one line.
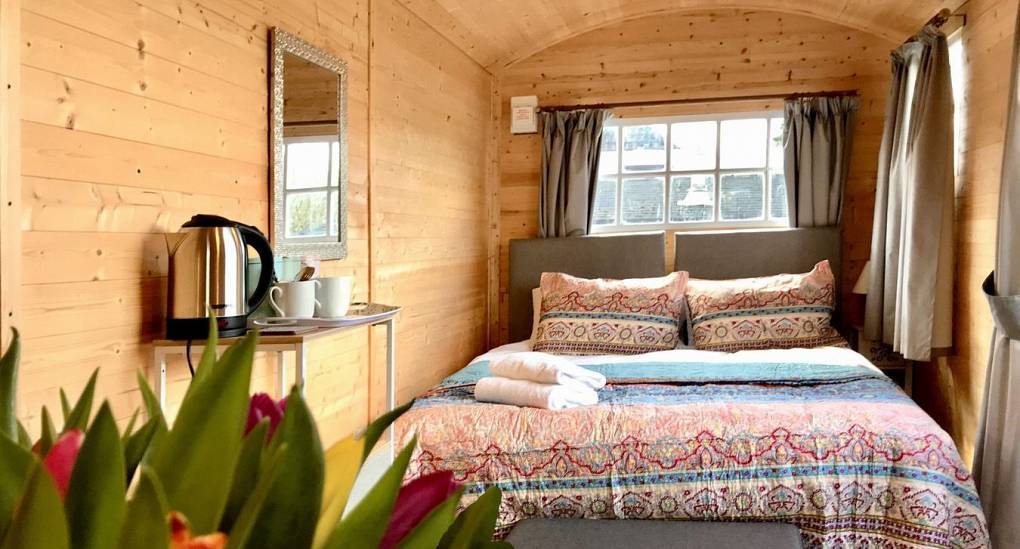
[(187, 353)]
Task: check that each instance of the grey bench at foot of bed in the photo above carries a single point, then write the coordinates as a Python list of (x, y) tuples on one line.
[(631, 534)]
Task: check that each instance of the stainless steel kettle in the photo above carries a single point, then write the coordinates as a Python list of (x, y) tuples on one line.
[(208, 258)]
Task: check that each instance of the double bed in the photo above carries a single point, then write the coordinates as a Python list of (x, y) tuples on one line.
[(818, 438)]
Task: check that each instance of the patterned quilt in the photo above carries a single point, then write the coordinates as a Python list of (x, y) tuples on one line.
[(817, 438)]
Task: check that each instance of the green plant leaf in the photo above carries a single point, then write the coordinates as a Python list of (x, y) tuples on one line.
[(195, 460), (246, 474), (130, 428), (65, 405), (378, 427), (152, 408), (241, 534), (288, 517), (78, 418), (145, 523), (429, 531), (17, 463), (137, 445), (49, 432), (475, 524), (364, 526), (24, 439), (38, 521), (95, 494), (9, 388), (208, 361)]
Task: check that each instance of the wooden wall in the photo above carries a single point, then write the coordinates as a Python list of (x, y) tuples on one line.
[(692, 54), (955, 387), (430, 118), (135, 114)]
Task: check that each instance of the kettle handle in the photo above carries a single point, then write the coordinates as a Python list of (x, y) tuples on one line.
[(254, 238)]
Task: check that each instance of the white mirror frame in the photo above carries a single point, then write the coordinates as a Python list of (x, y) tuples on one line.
[(282, 42)]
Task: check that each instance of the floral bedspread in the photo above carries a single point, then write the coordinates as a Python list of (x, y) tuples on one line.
[(817, 438)]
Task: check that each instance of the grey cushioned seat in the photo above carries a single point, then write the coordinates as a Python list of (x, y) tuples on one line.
[(629, 534)]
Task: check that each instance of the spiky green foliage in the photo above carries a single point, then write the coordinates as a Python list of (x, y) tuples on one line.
[(262, 491)]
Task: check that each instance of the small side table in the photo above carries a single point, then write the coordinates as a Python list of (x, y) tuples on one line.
[(280, 344), (890, 362)]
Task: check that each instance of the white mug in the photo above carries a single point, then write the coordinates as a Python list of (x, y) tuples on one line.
[(334, 296), (294, 299)]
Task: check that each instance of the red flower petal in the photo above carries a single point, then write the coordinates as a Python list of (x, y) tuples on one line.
[(61, 457), (415, 500), (263, 406)]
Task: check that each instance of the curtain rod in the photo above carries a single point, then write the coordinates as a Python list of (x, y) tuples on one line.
[(937, 21), (688, 101)]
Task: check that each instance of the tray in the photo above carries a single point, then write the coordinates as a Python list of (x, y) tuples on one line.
[(360, 313)]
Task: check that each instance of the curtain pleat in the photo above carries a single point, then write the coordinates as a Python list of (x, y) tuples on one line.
[(910, 299), (997, 457), (817, 139), (571, 142)]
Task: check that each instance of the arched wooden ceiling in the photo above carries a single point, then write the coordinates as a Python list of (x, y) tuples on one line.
[(497, 33)]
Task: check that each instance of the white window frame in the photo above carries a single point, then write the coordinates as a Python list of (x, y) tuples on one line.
[(620, 227), (331, 187)]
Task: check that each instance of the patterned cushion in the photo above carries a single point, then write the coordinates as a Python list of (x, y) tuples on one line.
[(774, 312), (609, 317)]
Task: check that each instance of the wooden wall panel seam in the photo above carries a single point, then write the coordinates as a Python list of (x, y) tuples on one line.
[(10, 168)]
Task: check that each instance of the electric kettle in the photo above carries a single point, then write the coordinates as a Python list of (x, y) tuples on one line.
[(208, 259)]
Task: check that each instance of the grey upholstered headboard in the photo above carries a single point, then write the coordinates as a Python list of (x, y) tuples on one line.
[(623, 256), (744, 254)]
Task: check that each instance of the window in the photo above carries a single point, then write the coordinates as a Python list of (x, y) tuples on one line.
[(681, 173), (311, 165)]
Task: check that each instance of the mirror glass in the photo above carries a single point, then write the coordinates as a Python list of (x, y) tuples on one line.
[(309, 150)]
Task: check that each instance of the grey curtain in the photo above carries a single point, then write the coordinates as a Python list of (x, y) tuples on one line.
[(570, 155), (817, 138), (910, 299), (997, 459)]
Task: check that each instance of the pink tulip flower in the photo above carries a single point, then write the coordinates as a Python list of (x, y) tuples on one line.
[(415, 500), (59, 461), (263, 406)]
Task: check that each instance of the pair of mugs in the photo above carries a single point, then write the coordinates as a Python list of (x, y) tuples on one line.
[(321, 297)]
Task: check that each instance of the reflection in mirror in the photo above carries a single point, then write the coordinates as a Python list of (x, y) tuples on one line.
[(309, 150)]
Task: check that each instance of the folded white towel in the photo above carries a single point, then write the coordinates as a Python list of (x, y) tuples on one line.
[(520, 392), (546, 368)]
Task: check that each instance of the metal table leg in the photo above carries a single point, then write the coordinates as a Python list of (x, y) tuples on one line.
[(391, 374), (299, 367), (281, 375), (161, 378)]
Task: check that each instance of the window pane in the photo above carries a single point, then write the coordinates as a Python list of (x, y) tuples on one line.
[(778, 208), (643, 200), (644, 148), (334, 213), (742, 143), (605, 202), (693, 146), (306, 214), (691, 198), (776, 145), (742, 196), (609, 159), (334, 173), (307, 165)]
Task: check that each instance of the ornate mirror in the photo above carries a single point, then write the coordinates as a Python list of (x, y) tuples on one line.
[(308, 115)]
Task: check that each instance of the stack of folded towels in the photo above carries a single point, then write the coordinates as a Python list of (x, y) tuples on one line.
[(539, 380)]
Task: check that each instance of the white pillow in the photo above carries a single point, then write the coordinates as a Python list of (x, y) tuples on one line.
[(536, 307)]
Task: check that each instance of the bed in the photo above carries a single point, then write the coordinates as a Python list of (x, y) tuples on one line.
[(818, 438)]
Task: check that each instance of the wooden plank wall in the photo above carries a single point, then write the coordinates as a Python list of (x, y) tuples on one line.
[(138, 113), (430, 117), (956, 386), (708, 53)]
